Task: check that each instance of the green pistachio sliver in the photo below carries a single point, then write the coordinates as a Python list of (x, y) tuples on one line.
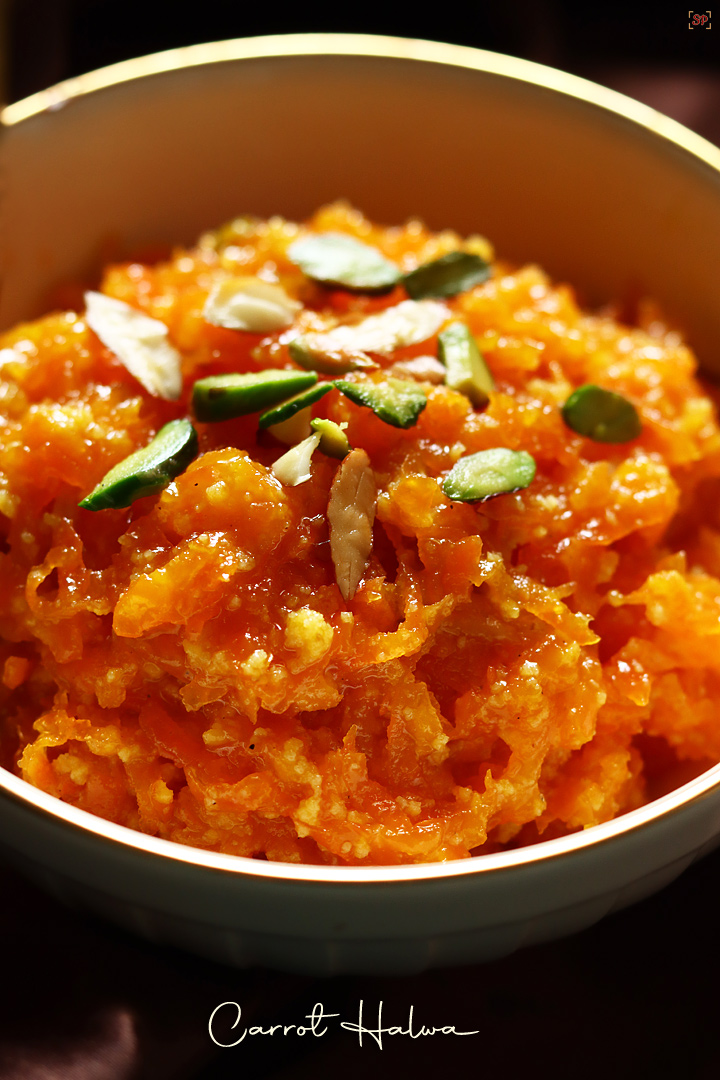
[(466, 369), (220, 397), (293, 405), (336, 259), (147, 471), (601, 415), (333, 440), (395, 401), (488, 473), (447, 276), (314, 354)]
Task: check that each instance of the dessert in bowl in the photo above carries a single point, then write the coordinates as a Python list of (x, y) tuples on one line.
[(405, 755)]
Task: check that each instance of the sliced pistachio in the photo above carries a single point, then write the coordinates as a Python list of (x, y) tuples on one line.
[(147, 471), (351, 513), (139, 342), (465, 366), (219, 397), (336, 259), (251, 304), (312, 352), (293, 468), (447, 276), (406, 323), (333, 440), (489, 472), (288, 408), (395, 401), (601, 415)]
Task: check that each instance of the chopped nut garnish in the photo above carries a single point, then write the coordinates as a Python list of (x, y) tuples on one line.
[(293, 430), (601, 415), (147, 471), (139, 342), (293, 468), (396, 401), (333, 440), (481, 476), (251, 304), (464, 364), (221, 397), (351, 513), (336, 259), (313, 353), (406, 323), (422, 368), (453, 273)]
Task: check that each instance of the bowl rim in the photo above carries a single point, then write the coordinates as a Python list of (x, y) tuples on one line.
[(365, 45), (108, 832), (391, 48)]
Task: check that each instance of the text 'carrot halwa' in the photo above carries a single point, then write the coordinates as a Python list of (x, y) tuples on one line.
[(339, 544)]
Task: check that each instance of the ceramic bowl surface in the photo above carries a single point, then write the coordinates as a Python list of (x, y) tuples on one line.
[(599, 190)]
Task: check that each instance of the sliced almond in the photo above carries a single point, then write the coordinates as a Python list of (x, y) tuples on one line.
[(404, 324), (422, 368), (11, 356), (139, 342), (294, 429), (351, 513), (251, 304), (293, 468)]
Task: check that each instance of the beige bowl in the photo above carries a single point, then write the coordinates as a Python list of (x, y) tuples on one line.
[(598, 189)]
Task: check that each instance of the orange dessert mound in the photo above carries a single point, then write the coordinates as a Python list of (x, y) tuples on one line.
[(307, 644)]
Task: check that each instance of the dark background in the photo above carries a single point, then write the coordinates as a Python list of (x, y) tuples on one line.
[(645, 50), (635, 997), (52, 39)]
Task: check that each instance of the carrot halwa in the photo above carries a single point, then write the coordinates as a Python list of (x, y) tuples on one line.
[(339, 630)]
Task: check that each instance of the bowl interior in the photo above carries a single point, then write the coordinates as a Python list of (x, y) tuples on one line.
[(598, 190), (460, 138)]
